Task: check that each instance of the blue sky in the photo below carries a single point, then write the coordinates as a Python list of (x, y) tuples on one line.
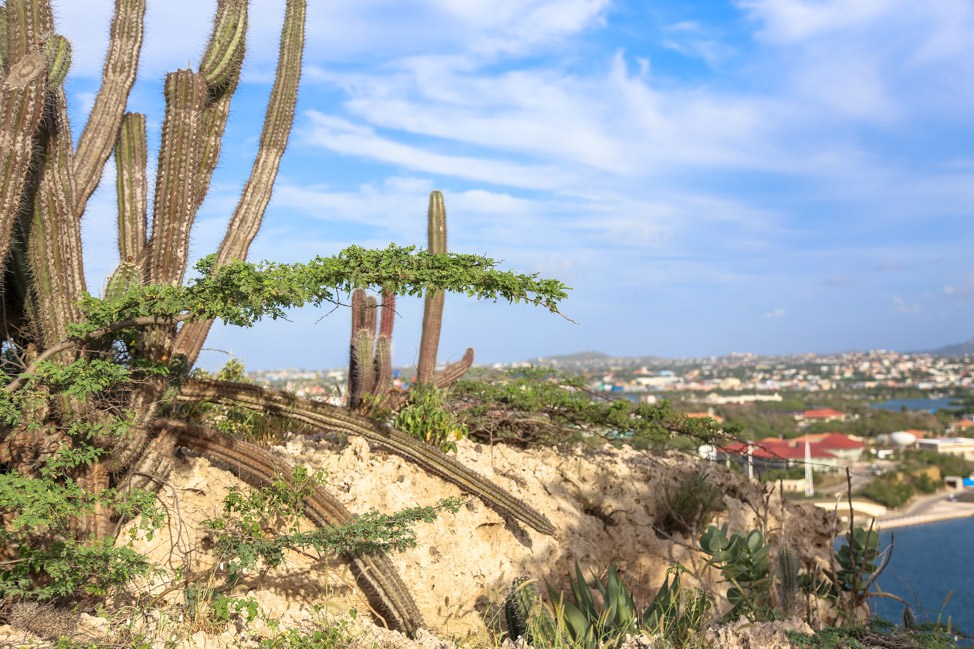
[(771, 176)]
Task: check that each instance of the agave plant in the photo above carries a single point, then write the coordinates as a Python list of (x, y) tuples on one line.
[(86, 380), (606, 616)]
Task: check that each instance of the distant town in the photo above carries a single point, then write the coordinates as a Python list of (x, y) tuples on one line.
[(903, 423)]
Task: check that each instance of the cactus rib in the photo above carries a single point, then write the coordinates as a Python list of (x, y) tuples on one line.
[(174, 209), (3, 40), (21, 108), (28, 24), (131, 187), (258, 467), (54, 245), (118, 76)]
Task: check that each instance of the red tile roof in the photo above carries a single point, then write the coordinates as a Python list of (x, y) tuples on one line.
[(779, 449), (822, 413)]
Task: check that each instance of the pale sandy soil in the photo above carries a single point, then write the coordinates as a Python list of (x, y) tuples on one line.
[(601, 502)]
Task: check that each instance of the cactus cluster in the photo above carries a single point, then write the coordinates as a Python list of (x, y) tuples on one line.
[(45, 184), (370, 358), (370, 361)]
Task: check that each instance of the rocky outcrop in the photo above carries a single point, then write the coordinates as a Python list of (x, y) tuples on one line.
[(602, 503)]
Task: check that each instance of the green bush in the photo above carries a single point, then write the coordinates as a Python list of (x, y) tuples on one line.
[(744, 562), (48, 563), (427, 418), (888, 490)]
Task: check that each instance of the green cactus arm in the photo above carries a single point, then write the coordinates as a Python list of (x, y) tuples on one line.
[(54, 240), (175, 197), (358, 322), (364, 349), (118, 76), (433, 304), (383, 345), (220, 68), (21, 108), (256, 194), (131, 158), (58, 52), (220, 65)]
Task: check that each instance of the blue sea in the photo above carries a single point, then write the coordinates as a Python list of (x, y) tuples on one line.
[(924, 405), (932, 568)]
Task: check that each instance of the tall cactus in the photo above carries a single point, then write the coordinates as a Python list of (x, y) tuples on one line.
[(433, 307)]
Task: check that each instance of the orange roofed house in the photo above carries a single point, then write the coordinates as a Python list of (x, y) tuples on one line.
[(820, 414), (827, 452)]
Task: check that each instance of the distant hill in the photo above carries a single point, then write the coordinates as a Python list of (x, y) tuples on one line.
[(593, 360), (577, 357), (959, 349)]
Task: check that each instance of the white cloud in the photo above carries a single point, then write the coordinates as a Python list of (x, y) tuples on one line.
[(791, 21), (965, 287), (343, 136), (902, 306), (775, 313)]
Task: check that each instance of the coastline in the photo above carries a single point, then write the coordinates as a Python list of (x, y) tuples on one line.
[(920, 511), (938, 510)]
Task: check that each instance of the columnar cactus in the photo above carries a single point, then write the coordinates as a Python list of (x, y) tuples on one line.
[(433, 308), (45, 182), (433, 305)]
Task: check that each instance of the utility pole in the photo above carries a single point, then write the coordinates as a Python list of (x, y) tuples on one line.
[(809, 485), (750, 461)]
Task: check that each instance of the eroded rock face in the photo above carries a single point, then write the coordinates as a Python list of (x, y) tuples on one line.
[(602, 503), (744, 634)]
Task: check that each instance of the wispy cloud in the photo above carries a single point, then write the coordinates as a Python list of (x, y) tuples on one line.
[(902, 306)]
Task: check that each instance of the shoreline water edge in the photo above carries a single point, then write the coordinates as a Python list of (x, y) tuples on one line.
[(922, 511), (939, 511)]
